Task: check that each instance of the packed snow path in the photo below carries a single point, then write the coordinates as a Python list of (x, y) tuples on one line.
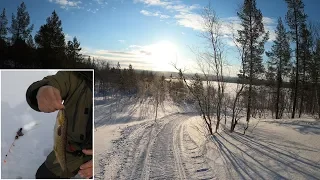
[(151, 150)]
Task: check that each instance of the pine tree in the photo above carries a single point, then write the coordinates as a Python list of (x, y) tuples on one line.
[(20, 28), (30, 42), (3, 37), (73, 53), (252, 37), (279, 62), (316, 73), (123, 83), (305, 59), (295, 18), (158, 93), (93, 64), (132, 84), (3, 25), (50, 35), (118, 66), (51, 41), (198, 89)]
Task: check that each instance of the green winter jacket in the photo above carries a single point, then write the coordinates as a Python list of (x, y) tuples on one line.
[(76, 91)]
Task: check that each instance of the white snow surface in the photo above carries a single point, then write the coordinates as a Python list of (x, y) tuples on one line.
[(30, 150), (130, 146)]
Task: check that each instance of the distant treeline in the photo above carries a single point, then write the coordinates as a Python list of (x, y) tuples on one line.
[(227, 79)]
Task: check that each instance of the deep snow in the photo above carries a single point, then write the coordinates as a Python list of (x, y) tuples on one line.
[(128, 146), (31, 149)]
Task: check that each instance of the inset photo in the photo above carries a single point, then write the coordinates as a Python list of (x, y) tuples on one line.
[(47, 124)]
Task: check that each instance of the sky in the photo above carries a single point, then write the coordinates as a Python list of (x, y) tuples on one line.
[(150, 34)]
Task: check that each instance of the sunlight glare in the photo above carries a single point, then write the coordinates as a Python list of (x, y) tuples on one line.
[(163, 54)]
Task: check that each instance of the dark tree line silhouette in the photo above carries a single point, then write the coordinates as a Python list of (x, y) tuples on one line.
[(48, 49)]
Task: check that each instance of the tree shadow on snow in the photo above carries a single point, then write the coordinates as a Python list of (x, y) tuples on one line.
[(302, 126), (260, 158), (123, 111)]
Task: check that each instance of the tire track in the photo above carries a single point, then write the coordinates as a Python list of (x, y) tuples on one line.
[(155, 151), (112, 163), (166, 162), (195, 162), (141, 170), (178, 136)]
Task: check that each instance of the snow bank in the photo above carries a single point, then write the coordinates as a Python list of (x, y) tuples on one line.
[(274, 149)]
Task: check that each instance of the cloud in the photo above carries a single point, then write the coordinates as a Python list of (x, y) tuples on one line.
[(65, 4), (176, 7), (189, 20), (231, 25), (156, 14), (136, 55), (93, 10), (169, 5), (164, 16), (121, 41), (183, 13), (100, 3), (186, 17), (116, 53), (142, 57), (146, 52), (153, 2), (146, 13), (135, 46), (68, 37), (132, 52), (267, 20), (182, 8)]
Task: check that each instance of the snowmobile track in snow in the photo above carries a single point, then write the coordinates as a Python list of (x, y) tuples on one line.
[(195, 162), (147, 151), (161, 150)]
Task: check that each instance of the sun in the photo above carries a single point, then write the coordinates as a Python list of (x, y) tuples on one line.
[(163, 54)]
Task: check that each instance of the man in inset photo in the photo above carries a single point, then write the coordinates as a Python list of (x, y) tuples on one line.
[(70, 93)]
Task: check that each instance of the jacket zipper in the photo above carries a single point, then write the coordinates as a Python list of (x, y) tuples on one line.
[(76, 110)]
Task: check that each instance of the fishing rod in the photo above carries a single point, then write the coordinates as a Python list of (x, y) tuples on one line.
[(18, 134)]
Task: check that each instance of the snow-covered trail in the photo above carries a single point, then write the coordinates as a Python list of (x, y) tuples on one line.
[(148, 150)]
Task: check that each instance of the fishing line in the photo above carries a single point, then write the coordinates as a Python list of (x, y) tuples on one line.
[(9, 151)]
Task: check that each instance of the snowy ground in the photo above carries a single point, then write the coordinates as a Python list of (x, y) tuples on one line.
[(31, 149), (282, 149), (177, 147)]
